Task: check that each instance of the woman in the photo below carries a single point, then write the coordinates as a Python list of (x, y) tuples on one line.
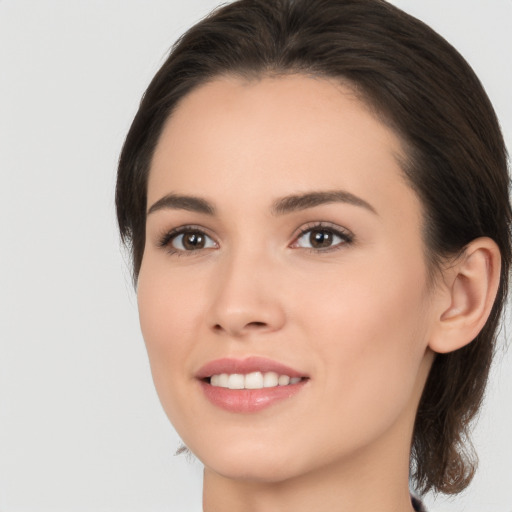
[(316, 199)]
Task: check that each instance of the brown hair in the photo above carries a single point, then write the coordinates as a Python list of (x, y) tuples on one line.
[(456, 159)]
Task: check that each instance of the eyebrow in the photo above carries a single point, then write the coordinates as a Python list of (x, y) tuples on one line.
[(181, 202), (297, 202), (282, 206)]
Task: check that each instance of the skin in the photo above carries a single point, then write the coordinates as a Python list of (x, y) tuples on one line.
[(358, 317)]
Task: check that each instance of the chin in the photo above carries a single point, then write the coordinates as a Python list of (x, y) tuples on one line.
[(252, 462)]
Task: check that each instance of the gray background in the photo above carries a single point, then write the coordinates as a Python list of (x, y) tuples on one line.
[(81, 428)]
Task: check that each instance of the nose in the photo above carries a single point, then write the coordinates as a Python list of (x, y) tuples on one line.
[(246, 298)]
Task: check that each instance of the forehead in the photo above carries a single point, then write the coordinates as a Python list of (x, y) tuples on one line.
[(262, 138)]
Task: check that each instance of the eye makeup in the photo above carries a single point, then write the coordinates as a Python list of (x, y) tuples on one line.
[(323, 237), (186, 239), (316, 237)]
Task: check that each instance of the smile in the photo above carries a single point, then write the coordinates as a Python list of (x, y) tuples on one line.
[(249, 385), (253, 380)]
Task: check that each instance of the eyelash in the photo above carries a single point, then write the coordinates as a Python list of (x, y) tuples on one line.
[(345, 235), (166, 240)]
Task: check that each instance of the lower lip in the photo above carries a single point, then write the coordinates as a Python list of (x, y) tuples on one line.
[(249, 400)]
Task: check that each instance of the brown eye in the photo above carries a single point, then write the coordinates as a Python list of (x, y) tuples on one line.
[(192, 241), (321, 238)]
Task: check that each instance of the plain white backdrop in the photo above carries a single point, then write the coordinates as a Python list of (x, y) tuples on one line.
[(81, 428)]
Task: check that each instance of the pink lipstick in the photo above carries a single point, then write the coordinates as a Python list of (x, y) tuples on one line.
[(249, 385)]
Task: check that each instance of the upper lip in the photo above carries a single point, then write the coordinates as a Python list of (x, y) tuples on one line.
[(244, 366)]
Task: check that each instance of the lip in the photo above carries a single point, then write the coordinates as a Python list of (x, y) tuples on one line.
[(248, 400), (247, 365)]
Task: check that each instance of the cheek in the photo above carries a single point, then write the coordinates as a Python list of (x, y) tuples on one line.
[(168, 302), (168, 313), (371, 333)]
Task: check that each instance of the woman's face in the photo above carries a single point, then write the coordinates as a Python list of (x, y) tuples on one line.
[(282, 241)]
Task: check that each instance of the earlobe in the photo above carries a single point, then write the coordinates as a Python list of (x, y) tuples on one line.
[(470, 288)]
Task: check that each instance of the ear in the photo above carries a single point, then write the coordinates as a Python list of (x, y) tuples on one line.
[(466, 296)]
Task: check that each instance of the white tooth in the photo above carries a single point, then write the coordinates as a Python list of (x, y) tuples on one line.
[(214, 380), (236, 381), (254, 380), (270, 379), (295, 380), (284, 380), (223, 380)]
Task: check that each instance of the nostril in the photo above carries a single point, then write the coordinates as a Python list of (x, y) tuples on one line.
[(256, 324), (248, 326)]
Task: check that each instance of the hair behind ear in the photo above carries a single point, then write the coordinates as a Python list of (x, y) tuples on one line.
[(443, 456)]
